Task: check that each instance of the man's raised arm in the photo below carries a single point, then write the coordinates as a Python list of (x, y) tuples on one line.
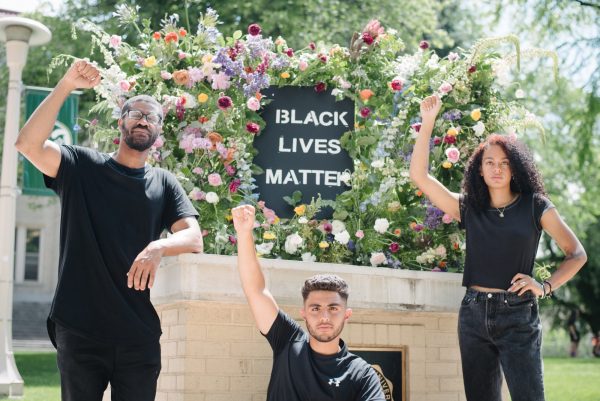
[(263, 305), (32, 141)]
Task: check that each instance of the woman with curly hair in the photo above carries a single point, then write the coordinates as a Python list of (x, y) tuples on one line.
[(504, 209)]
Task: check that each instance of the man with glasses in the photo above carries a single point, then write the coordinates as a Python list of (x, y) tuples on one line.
[(114, 208)]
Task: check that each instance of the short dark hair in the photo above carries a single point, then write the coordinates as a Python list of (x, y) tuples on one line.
[(325, 282), (141, 98)]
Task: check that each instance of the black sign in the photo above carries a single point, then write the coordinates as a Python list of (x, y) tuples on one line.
[(299, 149), (389, 365)]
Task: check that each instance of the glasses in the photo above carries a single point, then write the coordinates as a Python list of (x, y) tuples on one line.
[(503, 165), (152, 118)]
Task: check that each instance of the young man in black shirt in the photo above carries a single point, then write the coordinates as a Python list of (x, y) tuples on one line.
[(114, 209), (317, 366)]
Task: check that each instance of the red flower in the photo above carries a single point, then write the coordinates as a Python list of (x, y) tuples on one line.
[(394, 247), (424, 45), (232, 239), (224, 102), (365, 112), (290, 52), (234, 185), (171, 37), (416, 127), (156, 35), (320, 87), (396, 84), (472, 69), (117, 140), (312, 45), (182, 32), (437, 140), (253, 128), (323, 58), (367, 38), (203, 119), (449, 139), (254, 29), (327, 227)]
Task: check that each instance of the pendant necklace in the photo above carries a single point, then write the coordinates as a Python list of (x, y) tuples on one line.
[(501, 212)]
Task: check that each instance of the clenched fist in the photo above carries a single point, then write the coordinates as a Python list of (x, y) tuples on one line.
[(243, 218), (430, 107), (81, 75)]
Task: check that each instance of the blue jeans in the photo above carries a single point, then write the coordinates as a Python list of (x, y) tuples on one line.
[(501, 332)]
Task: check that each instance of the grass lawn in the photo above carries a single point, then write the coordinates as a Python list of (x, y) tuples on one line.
[(565, 379)]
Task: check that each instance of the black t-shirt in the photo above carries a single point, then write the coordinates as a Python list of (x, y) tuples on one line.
[(300, 374), (109, 214), (500, 247)]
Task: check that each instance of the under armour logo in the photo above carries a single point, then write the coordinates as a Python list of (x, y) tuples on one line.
[(334, 381)]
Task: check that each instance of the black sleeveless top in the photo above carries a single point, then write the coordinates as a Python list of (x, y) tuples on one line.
[(498, 247)]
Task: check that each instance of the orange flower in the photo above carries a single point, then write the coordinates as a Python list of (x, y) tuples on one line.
[(203, 119), (455, 246), (181, 77), (182, 32), (365, 94), (258, 95), (418, 192), (442, 264), (171, 37), (214, 138), (156, 35), (397, 232), (412, 225)]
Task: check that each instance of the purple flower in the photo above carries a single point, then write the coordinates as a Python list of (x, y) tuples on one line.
[(433, 217), (452, 115)]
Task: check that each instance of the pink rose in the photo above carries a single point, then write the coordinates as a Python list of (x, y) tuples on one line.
[(445, 87), (220, 81), (302, 65), (181, 55), (230, 170), (165, 75), (253, 104), (124, 85), (252, 128), (197, 194), (214, 179), (360, 234), (115, 41), (197, 170), (447, 219), (269, 215), (160, 141), (452, 154)]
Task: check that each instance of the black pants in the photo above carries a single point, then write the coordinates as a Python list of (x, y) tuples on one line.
[(87, 366)]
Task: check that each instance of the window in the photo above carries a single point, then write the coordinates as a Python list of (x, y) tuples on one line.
[(27, 254)]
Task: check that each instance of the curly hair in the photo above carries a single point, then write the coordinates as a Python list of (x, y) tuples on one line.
[(325, 282), (525, 177)]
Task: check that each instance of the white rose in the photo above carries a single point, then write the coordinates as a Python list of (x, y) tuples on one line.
[(337, 227), (302, 220), (377, 163), (292, 243), (308, 257), (212, 197), (441, 251), (342, 237), (264, 248), (381, 225), (479, 128), (377, 258)]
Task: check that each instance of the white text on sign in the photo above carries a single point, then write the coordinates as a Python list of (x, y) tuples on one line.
[(325, 118), (304, 177), (320, 146)]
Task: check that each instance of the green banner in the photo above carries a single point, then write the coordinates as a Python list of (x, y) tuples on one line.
[(64, 132)]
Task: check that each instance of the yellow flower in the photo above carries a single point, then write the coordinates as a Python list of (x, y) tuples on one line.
[(150, 62), (285, 75), (202, 98), (323, 244), (269, 235), (300, 210), (446, 164), (452, 131), (476, 114), (276, 220), (229, 217), (207, 58), (394, 206)]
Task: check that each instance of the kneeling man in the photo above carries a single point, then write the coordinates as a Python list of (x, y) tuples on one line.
[(315, 366)]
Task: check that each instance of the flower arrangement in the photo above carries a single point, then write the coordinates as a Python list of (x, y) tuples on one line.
[(210, 88)]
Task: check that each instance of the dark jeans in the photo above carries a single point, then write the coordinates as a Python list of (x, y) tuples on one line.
[(501, 330), (87, 366)]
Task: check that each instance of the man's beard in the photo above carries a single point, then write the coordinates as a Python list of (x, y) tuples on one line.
[(324, 338), (138, 144)]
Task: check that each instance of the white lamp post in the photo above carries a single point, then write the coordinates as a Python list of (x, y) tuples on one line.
[(19, 34)]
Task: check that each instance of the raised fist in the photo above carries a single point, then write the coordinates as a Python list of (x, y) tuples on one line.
[(430, 107), (243, 218), (82, 75)]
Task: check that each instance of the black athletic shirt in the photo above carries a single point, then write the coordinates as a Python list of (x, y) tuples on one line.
[(300, 374), (109, 214), (500, 247)]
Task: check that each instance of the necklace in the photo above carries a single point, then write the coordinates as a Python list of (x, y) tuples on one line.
[(501, 212)]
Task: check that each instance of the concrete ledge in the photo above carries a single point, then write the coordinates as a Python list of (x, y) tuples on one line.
[(215, 278)]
